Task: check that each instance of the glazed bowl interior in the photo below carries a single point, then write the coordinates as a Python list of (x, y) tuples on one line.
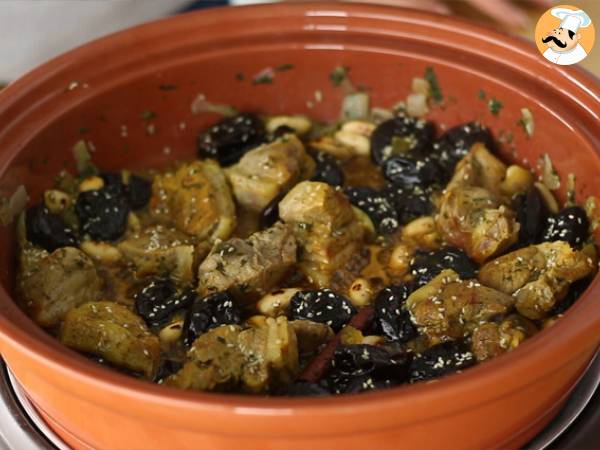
[(102, 93)]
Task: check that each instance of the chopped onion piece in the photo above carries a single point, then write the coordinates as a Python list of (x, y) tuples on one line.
[(416, 105), (202, 105), (527, 121), (379, 115), (13, 206), (355, 106), (83, 159), (549, 175), (420, 86)]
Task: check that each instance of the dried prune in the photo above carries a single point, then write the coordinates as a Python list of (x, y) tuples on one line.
[(532, 215), (360, 367), (376, 205), (570, 225), (209, 312), (392, 319), (303, 389), (230, 138), (456, 142), (441, 359), (323, 306), (409, 202), (399, 136), (575, 291), (138, 190), (158, 301), (103, 212), (426, 265), (47, 230), (409, 172), (327, 169)]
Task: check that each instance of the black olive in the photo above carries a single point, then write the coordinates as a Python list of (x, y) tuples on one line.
[(376, 205), (209, 312), (303, 389), (270, 214), (570, 225), (426, 265), (327, 170), (158, 301), (575, 291), (409, 202), (229, 139), (360, 367), (48, 230), (456, 142), (392, 319), (399, 136), (441, 359), (137, 191), (323, 306), (282, 130), (409, 172), (532, 215), (103, 212)]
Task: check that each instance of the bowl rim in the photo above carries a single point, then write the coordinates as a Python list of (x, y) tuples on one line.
[(535, 351)]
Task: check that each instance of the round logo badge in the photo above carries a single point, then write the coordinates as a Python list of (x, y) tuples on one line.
[(565, 35)]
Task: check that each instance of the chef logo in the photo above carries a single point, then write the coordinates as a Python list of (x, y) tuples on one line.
[(564, 35)]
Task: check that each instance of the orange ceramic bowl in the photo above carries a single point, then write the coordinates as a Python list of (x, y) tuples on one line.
[(97, 92)]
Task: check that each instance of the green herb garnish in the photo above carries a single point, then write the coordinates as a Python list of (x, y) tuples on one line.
[(339, 74), (481, 95), (284, 67), (263, 79), (84, 130), (147, 115), (434, 86), (494, 105)]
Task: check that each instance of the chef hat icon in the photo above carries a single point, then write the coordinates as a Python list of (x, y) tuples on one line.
[(570, 19)]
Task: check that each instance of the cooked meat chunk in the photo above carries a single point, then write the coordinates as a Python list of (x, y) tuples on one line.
[(52, 284), (479, 168), (163, 251), (326, 227), (473, 219), (267, 171), (537, 276), (492, 339), (249, 268), (114, 333), (253, 360), (449, 308), (196, 198)]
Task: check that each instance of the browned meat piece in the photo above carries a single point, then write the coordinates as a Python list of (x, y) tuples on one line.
[(196, 198), (159, 250), (114, 333), (249, 268), (479, 168), (52, 284), (326, 227), (252, 360), (472, 218), (449, 308), (492, 339), (537, 276), (267, 171)]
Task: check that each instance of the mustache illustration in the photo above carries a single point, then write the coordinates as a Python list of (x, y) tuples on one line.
[(556, 41)]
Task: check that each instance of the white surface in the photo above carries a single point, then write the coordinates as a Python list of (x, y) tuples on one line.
[(33, 31)]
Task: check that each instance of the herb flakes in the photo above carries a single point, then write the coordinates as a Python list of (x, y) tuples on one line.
[(434, 85), (147, 115), (338, 75), (495, 105)]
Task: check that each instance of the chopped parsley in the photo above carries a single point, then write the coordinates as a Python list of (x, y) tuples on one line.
[(284, 67), (434, 86), (481, 95), (84, 130), (494, 105), (338, 75), (147, 114), (263, 79)]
